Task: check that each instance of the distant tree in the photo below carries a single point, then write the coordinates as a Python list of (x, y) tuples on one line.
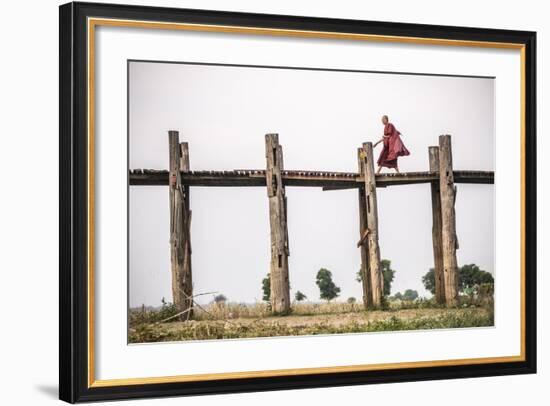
[(351, 300), (387, 273), (266, 288), (220, 299), (429, 281), (299, 296), (398, 296), (469, 277), (327, 287), (410, 294)]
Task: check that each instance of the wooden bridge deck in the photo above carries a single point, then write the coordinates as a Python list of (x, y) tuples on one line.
[(326, 180)]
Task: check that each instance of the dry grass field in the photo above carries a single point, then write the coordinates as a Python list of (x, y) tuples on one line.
[(226, 321)]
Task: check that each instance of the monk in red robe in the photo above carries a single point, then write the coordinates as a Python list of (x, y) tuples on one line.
[(393, 147)]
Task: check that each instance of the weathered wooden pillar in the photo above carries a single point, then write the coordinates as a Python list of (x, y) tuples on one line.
[(187, 277), (436, 228), (180, 222), (373, 248), (448, 221), (280, 287), (363, 241)]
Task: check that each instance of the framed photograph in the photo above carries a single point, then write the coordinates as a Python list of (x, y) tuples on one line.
[(256, 202)]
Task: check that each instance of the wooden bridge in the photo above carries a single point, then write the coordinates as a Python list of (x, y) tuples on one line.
[(326, 180), (179, 178)]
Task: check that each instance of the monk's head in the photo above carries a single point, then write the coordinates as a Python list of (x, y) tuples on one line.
[(384, 119)]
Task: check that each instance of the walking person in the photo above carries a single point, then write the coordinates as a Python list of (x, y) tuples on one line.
[(393, 147)]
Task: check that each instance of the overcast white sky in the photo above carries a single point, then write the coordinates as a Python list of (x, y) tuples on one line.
[(321, 117)]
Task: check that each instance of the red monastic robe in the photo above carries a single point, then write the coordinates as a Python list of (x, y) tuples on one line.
[(393, 147)]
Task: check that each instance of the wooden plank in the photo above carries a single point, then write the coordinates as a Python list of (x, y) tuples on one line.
[(448, 220), (280, 287), (325, 180), (373, 247), (363, 233), (179, 248), (433, 153)]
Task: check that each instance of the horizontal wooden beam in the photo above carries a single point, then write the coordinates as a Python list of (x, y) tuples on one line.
[(323, 179)]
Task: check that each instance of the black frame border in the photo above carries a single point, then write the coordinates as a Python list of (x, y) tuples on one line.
[(73, 202)]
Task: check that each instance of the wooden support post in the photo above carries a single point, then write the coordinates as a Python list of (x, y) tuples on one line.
[(448, 221), (363, 240), (280, 287), (180, 221), (187, 276), (436, 228), (373, 248)]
